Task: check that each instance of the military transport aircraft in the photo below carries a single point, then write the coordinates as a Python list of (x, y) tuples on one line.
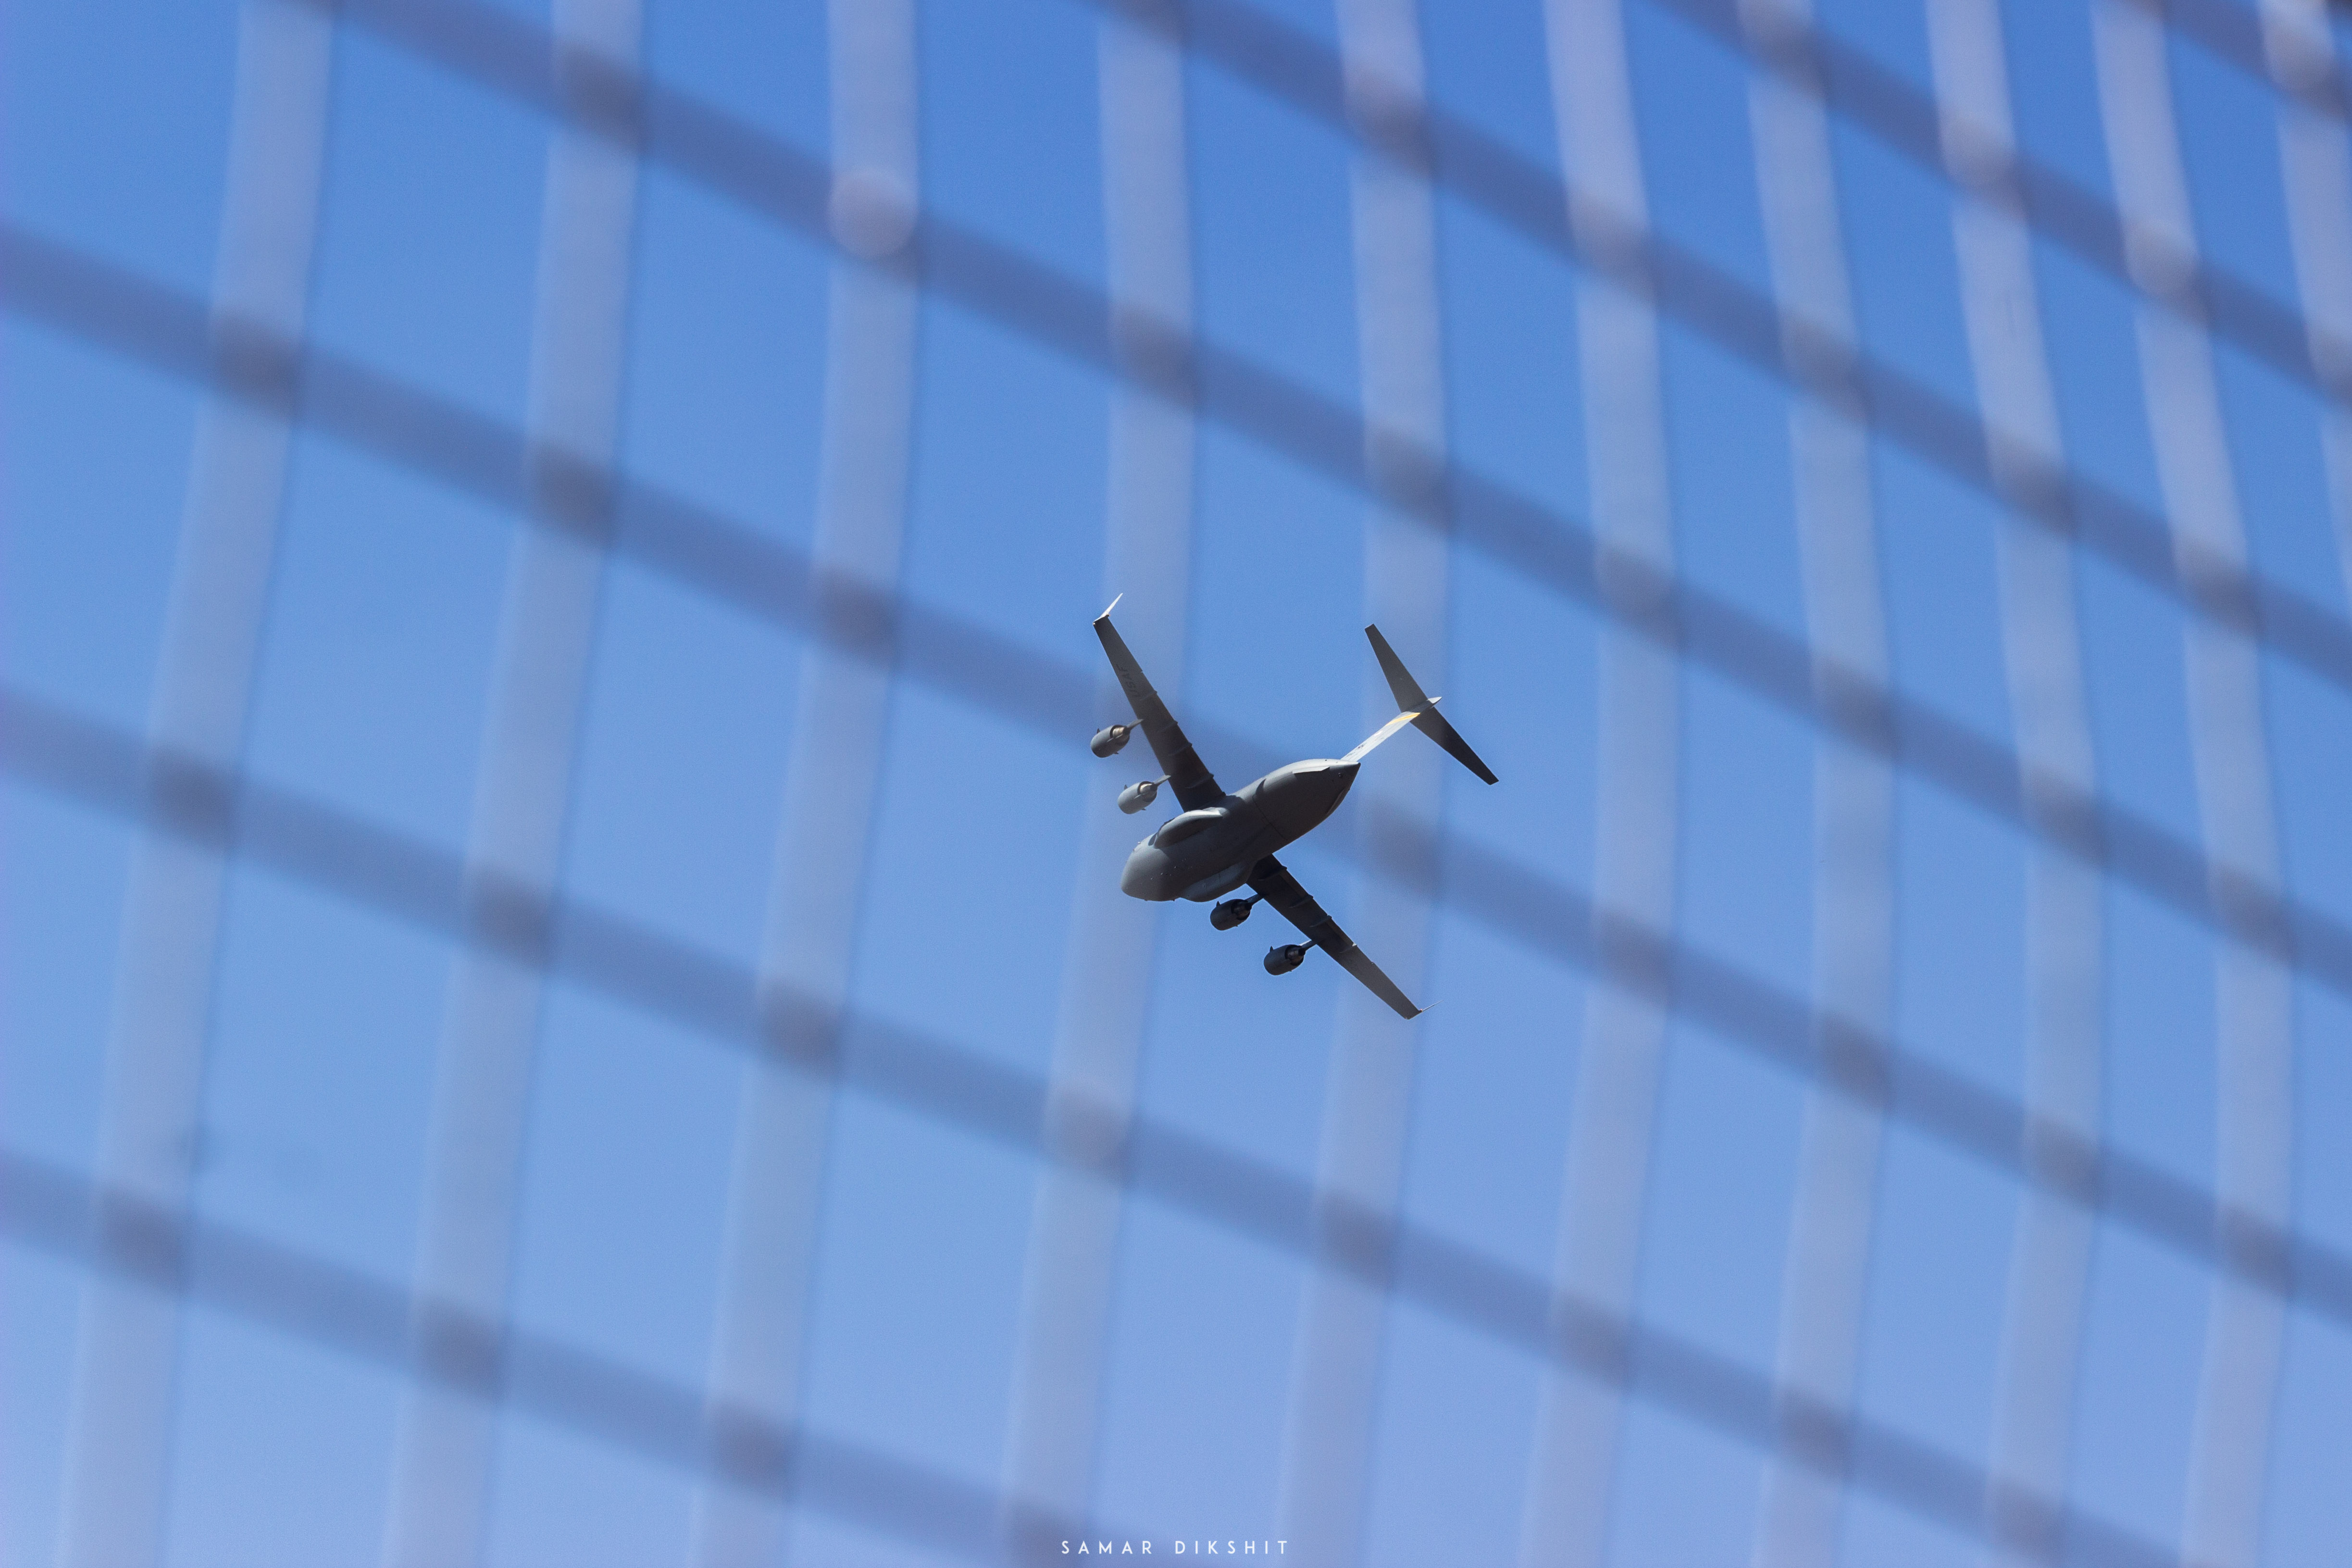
[(1219, 841)]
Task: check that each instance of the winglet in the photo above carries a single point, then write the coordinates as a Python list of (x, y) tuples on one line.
[(1423, 708), (1107, 609)]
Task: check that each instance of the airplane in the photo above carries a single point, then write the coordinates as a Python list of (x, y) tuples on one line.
[(1219, 841)]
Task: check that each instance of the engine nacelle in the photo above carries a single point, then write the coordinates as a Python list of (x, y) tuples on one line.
[(1136, 797), (1230, 914), (1110, 742), (1283, 960)]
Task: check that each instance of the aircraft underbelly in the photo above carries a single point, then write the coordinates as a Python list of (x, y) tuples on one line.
[(1269, 814), (1218, 862)]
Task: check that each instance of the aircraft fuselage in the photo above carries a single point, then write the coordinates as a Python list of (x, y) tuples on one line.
[(1200, 855)]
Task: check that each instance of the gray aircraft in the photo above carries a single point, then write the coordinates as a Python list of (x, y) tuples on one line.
[(1219, 841)]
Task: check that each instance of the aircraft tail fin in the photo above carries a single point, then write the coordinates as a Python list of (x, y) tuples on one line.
[(1377, 736), (1418, 710)]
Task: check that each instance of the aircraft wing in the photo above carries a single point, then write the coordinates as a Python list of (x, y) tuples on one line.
[(1280, 889), (1192, 782)]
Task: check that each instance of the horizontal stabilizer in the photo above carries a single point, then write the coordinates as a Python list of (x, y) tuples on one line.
[(1420, 708), (1431, 723)]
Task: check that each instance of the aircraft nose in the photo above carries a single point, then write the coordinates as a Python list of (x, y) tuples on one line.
[(1145, 870)]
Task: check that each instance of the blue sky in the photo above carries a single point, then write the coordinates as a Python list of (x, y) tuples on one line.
[(372, 694)]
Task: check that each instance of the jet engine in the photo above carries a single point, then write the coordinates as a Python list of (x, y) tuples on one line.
[(1136, 797), (1110, 742), (1230, 914), (1283, 960)]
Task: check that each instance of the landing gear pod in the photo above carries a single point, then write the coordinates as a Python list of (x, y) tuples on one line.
[(1136, 797), (1110, 742), (1283, 960)]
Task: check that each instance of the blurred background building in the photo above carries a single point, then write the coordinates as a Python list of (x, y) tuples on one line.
[(565, 999)]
